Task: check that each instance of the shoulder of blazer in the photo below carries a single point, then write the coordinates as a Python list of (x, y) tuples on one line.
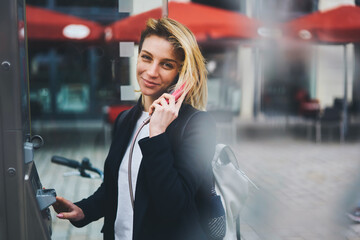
[(123, 128), (177, 128), (120, 118), (131, 115)]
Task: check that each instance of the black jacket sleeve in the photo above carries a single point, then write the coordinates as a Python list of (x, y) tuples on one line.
[(94, 206)]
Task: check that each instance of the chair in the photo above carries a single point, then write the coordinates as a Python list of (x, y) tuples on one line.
[(310, 108), (330, 118)]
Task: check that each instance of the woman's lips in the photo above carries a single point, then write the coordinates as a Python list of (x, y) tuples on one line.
[(149, 83)]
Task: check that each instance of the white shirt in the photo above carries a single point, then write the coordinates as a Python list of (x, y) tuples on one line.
[(124, 217)]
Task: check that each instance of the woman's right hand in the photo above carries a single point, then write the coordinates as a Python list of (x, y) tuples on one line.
[(67, 210), (163, 111)]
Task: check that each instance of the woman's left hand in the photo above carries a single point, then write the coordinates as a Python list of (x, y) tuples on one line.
[(163, 113)]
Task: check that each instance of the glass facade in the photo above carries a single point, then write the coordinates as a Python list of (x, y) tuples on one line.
[(76, 79)]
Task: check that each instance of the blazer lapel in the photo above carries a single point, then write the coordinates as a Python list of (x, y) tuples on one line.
[(122, 137)]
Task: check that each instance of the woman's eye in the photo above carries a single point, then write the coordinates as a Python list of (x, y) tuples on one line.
[(168, 65), (145, 57)]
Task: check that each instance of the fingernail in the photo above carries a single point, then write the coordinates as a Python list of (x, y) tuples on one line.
[(60, 215)]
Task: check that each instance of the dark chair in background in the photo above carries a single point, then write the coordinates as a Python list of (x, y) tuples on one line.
[(310, 109), (330, 119)]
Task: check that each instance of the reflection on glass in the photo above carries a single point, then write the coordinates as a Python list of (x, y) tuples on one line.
[(224, 91), (73, 98), (126, 49), (127, 93), (125, 6), (23, 69)]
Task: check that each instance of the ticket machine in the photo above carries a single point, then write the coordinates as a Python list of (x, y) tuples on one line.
[(24, 204)]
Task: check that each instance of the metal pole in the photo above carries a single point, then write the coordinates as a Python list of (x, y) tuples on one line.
[(93, 79), (315, 5), (314, 69), (344, 114), (257, 83), (165, 10)]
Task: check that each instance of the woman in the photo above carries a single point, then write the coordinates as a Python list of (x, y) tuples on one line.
[(171, 171)]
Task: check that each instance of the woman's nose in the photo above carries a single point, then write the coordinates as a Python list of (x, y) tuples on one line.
[(153, 70)]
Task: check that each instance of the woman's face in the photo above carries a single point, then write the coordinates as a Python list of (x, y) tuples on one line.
[(157, 66)]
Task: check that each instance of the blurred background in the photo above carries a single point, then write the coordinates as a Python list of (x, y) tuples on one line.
[(283, 84)]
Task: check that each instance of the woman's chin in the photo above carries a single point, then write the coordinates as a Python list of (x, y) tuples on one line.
[(152, 92)]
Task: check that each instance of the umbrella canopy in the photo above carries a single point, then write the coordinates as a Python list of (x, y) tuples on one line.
[(44, 24), (204, 21), (339, 25)]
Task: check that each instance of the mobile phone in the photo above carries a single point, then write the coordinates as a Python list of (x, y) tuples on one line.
[(177, 93)]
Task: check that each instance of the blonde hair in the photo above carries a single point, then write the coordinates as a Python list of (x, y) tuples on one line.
[(193, 73)]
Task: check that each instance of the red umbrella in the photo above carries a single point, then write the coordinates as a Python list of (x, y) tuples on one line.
[(204, 21), (44, 24), (339, 25)]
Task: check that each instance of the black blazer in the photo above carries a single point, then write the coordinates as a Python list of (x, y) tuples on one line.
[(174, 179)]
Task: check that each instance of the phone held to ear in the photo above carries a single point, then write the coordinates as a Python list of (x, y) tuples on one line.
[(177, 94)]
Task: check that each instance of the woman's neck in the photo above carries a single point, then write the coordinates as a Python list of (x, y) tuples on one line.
[(147, 102)]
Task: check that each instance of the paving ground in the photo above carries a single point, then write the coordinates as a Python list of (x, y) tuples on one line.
[(306, 188)]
